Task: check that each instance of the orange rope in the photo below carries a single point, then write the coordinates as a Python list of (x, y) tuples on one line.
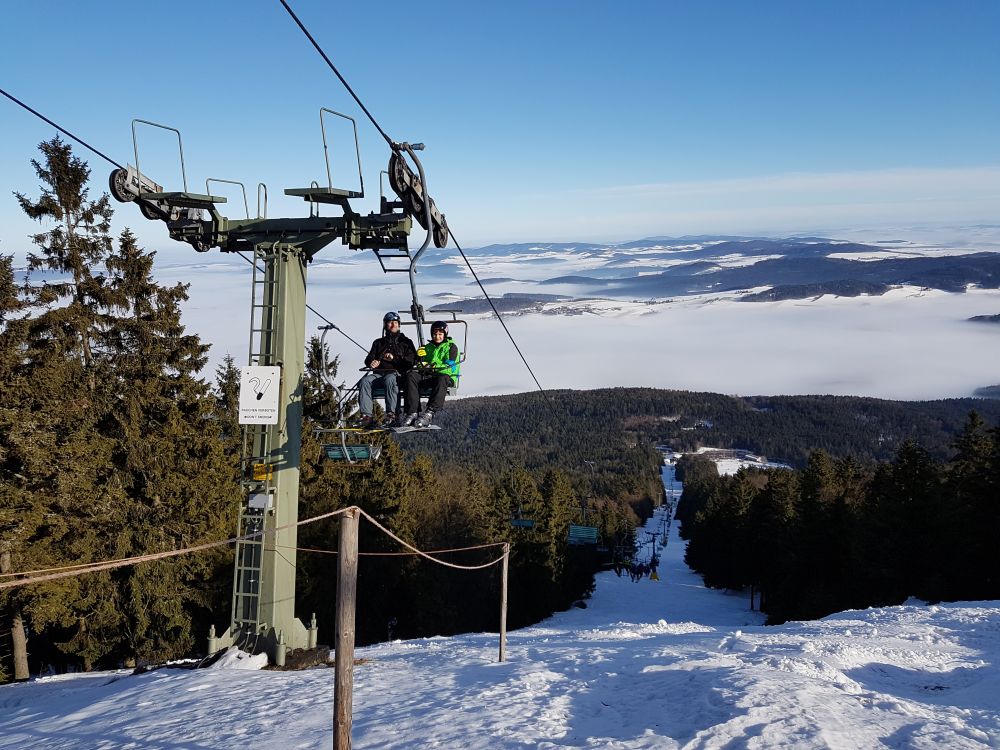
[(434, 559), (390, 554), (67, 571)]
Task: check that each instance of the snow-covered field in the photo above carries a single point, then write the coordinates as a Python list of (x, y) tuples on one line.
[(652, 664)]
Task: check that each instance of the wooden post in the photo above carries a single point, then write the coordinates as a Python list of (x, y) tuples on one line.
[(347, 584), (19, 645), (503, 602)]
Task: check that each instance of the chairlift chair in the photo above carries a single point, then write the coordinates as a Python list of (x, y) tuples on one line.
[(349, 449), (582, 535), (518, 520)]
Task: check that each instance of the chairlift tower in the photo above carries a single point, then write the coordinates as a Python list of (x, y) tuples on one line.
[(263, 606)]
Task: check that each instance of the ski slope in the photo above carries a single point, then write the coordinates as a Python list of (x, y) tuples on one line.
[(652, 664)]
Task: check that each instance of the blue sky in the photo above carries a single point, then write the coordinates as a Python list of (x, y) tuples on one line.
[(547, 121)]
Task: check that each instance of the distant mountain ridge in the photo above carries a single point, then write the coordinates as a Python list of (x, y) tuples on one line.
[(790, 268)]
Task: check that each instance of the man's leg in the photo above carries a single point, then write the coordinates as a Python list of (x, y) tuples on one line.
[(391, 392), (365, 394)]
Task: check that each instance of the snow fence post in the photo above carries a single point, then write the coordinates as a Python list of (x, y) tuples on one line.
[(503, 602), (347, 584)]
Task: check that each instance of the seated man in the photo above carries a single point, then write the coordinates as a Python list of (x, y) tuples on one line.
[(437, 366), (390, 356)]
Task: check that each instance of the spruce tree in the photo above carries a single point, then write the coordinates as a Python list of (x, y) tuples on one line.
[(116, 450), (74, 248), (971, 515), (168, 458), (12, 330), (54, 456)]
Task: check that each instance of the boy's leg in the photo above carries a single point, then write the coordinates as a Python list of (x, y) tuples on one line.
[(411, 390), (439, 389)]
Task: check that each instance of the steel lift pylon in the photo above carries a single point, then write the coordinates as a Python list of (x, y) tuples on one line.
[(263, 611)]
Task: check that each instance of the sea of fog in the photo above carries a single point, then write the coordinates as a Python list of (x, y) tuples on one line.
[(908, 344)]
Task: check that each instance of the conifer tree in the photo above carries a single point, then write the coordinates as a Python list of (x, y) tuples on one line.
[(560, 506), (168, 457), (114, 452), (54, 455), (74, 248), (319, 398), (971, 513), (227, 400), (12, 331), (771, 524)]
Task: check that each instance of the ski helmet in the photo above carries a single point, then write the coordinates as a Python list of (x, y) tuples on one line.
[(439, 325), (391, 315)]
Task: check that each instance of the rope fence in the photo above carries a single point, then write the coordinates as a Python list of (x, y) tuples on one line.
[(41, 575)]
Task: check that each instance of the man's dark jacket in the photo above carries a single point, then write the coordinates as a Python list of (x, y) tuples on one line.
[(403, 352)]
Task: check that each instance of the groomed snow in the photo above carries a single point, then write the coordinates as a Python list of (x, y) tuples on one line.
[(653, 664)]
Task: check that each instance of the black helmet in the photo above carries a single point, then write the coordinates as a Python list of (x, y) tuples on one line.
[(439, 325), (391, 315)]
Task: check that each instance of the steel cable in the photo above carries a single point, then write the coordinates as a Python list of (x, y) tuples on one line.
[(333, 67)]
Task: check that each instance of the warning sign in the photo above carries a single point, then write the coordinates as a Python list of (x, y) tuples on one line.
[(259, 389)]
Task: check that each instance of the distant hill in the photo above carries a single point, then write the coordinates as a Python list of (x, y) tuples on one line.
[(949, 273), (803, 291), (508, 303), (985, 318), (792, 267), (613, 423)]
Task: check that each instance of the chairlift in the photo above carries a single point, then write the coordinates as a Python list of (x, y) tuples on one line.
[(349, 449), (378, 390), (411, 188), (582, 534), (519, 521)]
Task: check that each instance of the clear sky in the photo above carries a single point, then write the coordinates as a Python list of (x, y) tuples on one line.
[(547, 121)]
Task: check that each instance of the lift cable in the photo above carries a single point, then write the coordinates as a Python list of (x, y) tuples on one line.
[(496, 312), (316, 312), (335, 327), (61, 130), (392, 144)]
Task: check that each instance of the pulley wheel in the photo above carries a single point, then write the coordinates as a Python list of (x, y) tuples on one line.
[(148, 210), (441, 233), (117, 184), (397, 174), (414, 207)]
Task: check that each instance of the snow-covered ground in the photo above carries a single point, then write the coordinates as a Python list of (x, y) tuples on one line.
[(729, 461), (652, 664)]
